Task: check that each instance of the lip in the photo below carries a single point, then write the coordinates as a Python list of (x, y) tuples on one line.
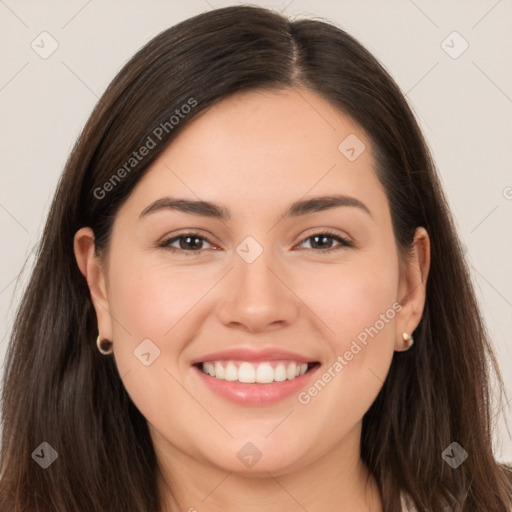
[(255, 394), (252, 355)]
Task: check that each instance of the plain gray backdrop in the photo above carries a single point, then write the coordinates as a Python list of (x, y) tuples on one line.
[(451, 59)]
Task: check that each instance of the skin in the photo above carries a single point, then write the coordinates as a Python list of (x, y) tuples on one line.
[(256, 153)]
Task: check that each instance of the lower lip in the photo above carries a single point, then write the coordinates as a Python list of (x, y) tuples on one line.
[(255, 394)]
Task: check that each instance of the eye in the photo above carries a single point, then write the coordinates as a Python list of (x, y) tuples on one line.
[(187, 243), (322, 242)]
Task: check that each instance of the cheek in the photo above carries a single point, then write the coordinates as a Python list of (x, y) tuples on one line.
[(353, 298), (357, 304), (151, 299), (365, 310), (161, 302)]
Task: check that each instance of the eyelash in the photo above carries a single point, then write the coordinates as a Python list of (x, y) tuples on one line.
[(165, 244)]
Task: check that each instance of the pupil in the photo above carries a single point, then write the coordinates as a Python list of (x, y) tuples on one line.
[(187, 241), (322, 238)]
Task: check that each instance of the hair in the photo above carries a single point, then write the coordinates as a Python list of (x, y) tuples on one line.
[(58, 388)]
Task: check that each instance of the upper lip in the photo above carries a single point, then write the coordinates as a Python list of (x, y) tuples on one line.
[(248, 354)]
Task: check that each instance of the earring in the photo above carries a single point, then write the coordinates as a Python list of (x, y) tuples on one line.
[(408, 339), (105, 346)]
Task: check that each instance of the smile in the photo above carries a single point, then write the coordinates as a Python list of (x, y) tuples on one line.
[(264, 372)]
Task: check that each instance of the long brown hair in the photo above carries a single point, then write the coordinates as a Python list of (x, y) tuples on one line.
[(57, 387)]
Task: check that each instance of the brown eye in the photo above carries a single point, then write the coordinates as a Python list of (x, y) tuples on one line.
[(186, 243), (324, 242)]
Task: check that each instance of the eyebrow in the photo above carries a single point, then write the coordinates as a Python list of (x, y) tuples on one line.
[(216, 211)]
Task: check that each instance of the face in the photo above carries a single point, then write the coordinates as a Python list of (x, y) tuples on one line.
[(266, 291)]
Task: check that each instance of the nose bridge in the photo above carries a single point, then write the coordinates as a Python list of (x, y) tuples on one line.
[(257, 296)]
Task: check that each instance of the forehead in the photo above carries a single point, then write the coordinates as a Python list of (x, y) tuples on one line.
[(287, 123), (261, 148)]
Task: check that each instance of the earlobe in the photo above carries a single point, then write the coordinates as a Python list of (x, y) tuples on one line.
[(412, 289), (407, 342), (92, 269)]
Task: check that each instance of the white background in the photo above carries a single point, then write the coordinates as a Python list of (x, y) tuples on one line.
[(464, 106)]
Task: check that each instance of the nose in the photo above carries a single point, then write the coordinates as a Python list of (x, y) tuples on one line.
[(259, 295)]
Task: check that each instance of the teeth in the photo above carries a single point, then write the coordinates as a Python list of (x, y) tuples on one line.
[(291, 371), (246, 373), (279, 373), (231, 372), (209, 369), (264, 374), (220, 372), (261, 373)]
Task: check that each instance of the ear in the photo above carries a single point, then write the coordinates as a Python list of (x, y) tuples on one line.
[(93, 270), (412, 287)]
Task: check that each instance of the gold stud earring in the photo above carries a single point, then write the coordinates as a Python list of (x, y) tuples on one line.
[(105, 346), (408, 340)]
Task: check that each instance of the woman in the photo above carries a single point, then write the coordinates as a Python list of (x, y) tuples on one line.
[(250, 295)]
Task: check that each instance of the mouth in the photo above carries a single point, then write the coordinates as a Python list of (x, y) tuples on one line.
[(262, 372), (254, 377)]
